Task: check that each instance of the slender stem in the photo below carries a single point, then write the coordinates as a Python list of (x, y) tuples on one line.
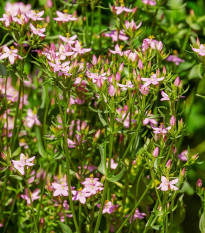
[(11, 212), (16, 115), (126, 188), (101, 207), (67, 159), (42, 192), (132, 212), (32, 208)]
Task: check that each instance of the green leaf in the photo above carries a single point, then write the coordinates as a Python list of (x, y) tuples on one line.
[(65, 228), (16, 177), (117, 177), (16, 152), (39, 143), (102, 167), (196, 72), (186, 188), (3, 71), (101, 119), (202, 224)]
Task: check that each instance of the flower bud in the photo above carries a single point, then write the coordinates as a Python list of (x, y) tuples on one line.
[(140, 64), (49, 3), (199, 183), (111, 90), (99, 83), (164, 71), (168, 164), (159, 46), (94, 60), (117, 77), (172, 121), (156, 152), (121, 67), (109, 72), (183, 171), (177, 81)]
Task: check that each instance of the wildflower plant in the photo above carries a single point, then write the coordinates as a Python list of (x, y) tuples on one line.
[(92, 121)]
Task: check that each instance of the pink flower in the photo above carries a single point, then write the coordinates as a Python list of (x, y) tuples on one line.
[(80, 195), (64, 17), (119, 9), (68, 40), (183, 156), (137, 214), (34, 15), (150, 43), (31, 119), (144, 90), (62, 54), (161, 130), (79, 49), (149, 2), (175, 59), (164, 96), (167, 185), (34, 196), (124, 87), (91, 181), (200, 50), (23, 162), (115, 35), (60, 189), (37, 31), (113, 165), (108, 207), (153, 80), (117, 50), (7, 19), (132, 25), (11, 54)]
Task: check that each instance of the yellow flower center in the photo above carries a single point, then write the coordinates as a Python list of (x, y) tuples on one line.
[(65, 11), (151, 37), (122, 3), (12, 47)]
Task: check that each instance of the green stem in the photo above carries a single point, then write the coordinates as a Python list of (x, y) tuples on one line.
[(101, 207), (67, 159), (132, 212), (32, 208), (16, 116), (42, 192)]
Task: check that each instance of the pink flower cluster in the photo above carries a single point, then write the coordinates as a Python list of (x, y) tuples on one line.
[(20, 14), (91, 187), (23, 163)]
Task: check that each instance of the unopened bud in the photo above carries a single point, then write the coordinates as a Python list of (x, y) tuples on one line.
[(140, 64), (117, 77), (156, 152), (177, 81), (199, 183), (183, 171), (49, 3), (111, 90), (164, 71), (168, 164), (94, 60), (121, 67), (159, 46), (172, 121)]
